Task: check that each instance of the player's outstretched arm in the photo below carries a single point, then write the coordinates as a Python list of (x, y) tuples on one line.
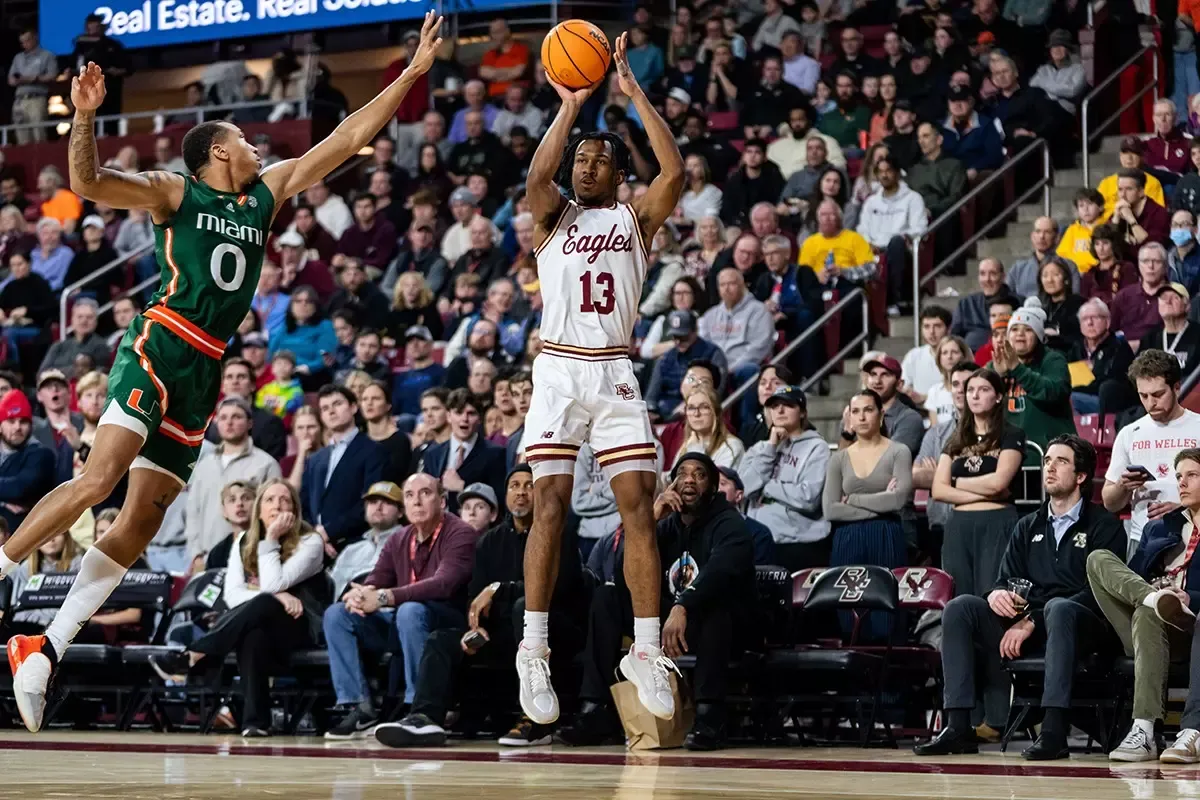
[(540, 189), (158, 192), (288, 178), (658, 204)]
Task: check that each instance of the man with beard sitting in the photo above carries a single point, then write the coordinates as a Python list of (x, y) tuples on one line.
[(707, 599)]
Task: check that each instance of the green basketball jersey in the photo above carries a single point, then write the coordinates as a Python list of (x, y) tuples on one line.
[(210, 253)]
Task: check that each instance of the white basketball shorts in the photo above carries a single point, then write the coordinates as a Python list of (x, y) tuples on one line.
[(577, 400)]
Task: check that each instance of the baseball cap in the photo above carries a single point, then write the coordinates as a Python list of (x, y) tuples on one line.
[(731, 474), (681, 95), (887, 362), (1132, 144), (51, 375), (464, 195), (481, 490), (958, 93), (92, 221), (254, 339), (418, 332), (1177, 288), (387, 490), (685, 52), (792, 395), (290, 239), (680, 323), (15, 405), (903, 105)]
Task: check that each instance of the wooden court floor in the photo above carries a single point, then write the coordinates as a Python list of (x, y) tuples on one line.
[(98, 766)]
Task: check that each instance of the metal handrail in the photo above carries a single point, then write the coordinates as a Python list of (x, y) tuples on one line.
[(159, 116), (919, 281), (67, 291), (1090, 135), (1190, 383), (816, 327)]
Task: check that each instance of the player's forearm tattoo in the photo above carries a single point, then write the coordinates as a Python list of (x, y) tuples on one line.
[(82, 149)]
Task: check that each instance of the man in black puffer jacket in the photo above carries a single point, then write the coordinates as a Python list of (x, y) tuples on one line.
[(708, 591)]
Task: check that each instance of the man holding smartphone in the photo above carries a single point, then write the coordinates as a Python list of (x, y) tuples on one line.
[(1141, 473)]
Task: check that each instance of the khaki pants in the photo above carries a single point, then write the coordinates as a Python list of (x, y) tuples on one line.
[(30, 111), (1120, 592)]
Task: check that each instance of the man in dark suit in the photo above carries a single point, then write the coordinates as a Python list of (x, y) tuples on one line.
[(466, 457), (337, 475)]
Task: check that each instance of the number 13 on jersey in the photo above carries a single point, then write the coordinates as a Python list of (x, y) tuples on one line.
[(598, 300)]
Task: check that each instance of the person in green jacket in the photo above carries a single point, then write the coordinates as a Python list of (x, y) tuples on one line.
[(1037, 382)]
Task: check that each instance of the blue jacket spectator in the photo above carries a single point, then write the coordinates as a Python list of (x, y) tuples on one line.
[(27, 471), (51, 258), (336, 476), (1159, 538), (663, 394), (306, 333), (973, 138), (466, 453)]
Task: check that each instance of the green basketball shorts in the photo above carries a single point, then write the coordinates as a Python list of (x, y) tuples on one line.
[(164, 386)]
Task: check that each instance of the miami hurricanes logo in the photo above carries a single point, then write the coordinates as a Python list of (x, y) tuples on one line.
[(135, 404)]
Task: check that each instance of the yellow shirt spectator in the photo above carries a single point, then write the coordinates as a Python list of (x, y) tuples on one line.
[(1108, 188), (849, 249), (1076, 245)]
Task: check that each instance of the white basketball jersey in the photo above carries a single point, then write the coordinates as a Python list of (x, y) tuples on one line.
[(591, 269)]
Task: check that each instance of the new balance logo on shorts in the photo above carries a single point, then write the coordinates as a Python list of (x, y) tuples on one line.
[(548, 435), (624, 392)]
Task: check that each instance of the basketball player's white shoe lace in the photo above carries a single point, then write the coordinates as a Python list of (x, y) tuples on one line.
[(649, 670), (538, 700)]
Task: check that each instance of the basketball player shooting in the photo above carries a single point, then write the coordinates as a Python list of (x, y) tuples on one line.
[(210, 229), (592, 260)]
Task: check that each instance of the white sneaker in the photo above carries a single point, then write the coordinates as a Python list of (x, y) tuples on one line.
[(31, 670), (648, 669), (1171, 610), (1185, 750), (538, 700), (1138, 745)]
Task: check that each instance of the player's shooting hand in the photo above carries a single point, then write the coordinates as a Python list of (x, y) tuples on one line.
[(572, 96), (87, 89), (625, 79), (422, 59)]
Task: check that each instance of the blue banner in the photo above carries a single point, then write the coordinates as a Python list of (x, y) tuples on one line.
[(153, 23)]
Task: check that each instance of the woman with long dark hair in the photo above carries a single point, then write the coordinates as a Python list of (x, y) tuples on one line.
[(310, 336), (686, 295), (276, 592), (830, 186), (976, 475), (432, 173), (1060, 304), (866, 486), (1113, 270)]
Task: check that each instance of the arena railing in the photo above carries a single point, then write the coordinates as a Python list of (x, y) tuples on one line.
[(951, 215), (64, 298), (159, 118), (1089, 133), (816, 328)]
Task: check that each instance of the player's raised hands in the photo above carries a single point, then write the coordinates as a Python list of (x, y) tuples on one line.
[(422, 59), (625, 79), (87, 88)]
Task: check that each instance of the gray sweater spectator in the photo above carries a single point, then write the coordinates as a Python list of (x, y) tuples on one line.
[(784, 483), (1063, 78), (518, 112), (83, 340), (869, 497), (136, 232), (1022, 276), (592, 498), (971, 320), (32, 72), (740, 324), (235, 458)]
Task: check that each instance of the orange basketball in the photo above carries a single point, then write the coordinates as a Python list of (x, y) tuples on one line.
[(576, 54)]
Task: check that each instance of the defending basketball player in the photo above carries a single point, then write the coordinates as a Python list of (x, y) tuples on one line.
[(210, 230), (592, 260)]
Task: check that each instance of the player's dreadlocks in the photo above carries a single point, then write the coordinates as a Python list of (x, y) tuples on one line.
[(622, 161)]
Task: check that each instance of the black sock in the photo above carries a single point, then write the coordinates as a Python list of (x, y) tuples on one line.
[(958, 718), (1055, 723)]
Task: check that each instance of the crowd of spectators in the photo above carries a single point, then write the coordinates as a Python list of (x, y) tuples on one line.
[(373, 400)]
